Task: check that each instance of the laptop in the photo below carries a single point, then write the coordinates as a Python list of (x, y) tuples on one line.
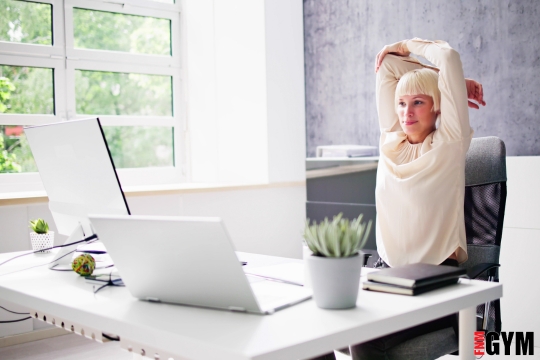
[(188, 261)]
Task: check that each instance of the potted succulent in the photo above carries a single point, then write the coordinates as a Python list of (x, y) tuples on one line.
[(41, 238), (335, 263)]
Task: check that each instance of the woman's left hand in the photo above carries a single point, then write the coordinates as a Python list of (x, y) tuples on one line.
[(399, 48), (475, 92)]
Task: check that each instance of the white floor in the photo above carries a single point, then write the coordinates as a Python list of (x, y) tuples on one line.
[(74, 347)]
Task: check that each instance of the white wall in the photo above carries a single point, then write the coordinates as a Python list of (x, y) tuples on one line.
[(245, 86), (286, 125), (14, 234), (520, 247)]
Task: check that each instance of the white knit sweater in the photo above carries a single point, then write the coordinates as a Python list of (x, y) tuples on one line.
[(420, 187)]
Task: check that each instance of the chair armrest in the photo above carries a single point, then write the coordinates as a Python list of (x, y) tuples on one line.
[(478, 269)]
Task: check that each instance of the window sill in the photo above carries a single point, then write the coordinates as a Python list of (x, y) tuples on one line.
[(29, 197)]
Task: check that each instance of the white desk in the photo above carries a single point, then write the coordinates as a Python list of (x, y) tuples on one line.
[(185, 332)]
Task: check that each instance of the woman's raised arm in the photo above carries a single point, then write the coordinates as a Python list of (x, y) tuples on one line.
[(454, 104), (390, 66)]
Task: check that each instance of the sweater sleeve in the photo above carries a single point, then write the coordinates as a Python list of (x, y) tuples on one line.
[(392, 69), (454, 111)]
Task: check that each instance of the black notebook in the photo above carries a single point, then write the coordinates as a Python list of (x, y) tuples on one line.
[(416, 275), (396, 289)]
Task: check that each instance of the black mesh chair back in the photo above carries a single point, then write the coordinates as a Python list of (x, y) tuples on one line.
[(485, 202)]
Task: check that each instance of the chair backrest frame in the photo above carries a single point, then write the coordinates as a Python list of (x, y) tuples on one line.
[(484, 205)]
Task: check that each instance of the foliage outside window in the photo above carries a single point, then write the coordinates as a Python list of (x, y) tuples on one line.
[(15, 154), (118, 32), (25, 22), (109, 93), (135, 105)]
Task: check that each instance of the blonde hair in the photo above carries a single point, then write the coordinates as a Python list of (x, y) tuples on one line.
[(420, 82)]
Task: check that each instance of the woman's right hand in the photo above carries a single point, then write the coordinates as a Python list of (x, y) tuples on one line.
[(475, 92), (398, 48)]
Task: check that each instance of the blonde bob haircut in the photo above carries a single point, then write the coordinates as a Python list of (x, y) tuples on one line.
[(420, 82)]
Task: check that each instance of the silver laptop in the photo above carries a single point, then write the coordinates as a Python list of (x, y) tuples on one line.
[(189, 261)]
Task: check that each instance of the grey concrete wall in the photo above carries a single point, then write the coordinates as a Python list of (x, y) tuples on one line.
[(499, 43)]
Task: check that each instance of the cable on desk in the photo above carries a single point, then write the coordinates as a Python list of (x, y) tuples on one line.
[(13, 312), (87, 239), (13, 321), (111, 282), (110, 337)]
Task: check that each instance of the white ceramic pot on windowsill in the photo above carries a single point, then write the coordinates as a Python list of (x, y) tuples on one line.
[(42, 241)]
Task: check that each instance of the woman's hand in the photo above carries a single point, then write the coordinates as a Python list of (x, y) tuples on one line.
[(475, 92), (399, 48)]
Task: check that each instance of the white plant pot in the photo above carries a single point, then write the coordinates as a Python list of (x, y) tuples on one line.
[(335, 281), (42, 241)]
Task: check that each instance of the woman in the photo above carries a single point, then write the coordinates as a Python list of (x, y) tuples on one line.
[(425, 135), (421, 174)]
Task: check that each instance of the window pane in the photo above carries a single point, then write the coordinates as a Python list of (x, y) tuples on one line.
[(108, 93), (26, 90), (119, 32), (15, 154), (140, 146), (25, 22)]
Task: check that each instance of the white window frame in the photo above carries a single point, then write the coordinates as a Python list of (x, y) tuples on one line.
[(65, 59)]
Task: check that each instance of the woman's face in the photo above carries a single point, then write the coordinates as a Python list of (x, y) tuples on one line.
[(416, 116)]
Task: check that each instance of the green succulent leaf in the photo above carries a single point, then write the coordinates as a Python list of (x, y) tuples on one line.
[(338, 238), (39, 226)]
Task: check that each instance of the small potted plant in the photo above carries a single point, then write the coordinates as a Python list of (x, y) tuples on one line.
[(335, 264), (41, 238)]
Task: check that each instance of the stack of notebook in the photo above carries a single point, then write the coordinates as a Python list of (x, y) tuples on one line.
[(412, 279)]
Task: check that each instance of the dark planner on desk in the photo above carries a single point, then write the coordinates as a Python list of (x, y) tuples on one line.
[(403, 290), (416, 275)]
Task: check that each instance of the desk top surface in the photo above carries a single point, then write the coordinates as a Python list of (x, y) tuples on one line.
[(300, 331)]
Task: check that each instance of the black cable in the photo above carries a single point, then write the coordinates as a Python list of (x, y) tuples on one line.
[(91, 237), (13, 312), (12, 321), (110, 282), (101, 287), (110, 337)]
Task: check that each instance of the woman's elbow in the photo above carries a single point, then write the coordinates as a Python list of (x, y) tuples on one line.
[(390, 62), (450, 56)]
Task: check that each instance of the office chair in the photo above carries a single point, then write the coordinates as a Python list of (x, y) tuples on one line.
[(484, 205), (485, 201)]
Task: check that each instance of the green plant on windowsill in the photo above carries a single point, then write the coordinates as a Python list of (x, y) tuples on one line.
[(338, 238), (39, 226), (41, 238)]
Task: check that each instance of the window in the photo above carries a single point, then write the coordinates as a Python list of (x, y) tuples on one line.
[(73, 59)]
